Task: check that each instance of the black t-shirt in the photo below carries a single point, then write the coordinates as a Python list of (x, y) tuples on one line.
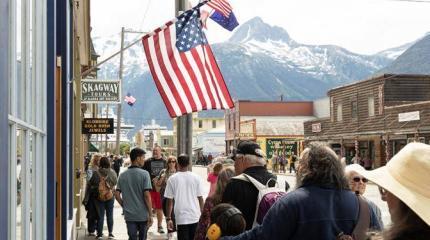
[(154, 166), (243, 195)]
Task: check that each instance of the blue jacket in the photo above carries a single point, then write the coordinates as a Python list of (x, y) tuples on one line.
[(310, 212)]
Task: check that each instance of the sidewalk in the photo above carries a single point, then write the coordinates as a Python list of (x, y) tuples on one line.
[(119, 227)]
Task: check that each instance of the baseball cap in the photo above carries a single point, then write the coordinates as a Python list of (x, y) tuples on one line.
[(249, 147)]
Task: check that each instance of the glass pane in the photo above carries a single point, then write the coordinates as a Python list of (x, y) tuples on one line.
[(32, 180), (19, 182), (31, 75), (18, 54)]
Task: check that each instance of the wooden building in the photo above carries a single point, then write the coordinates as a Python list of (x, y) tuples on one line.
[(376, 117), (275, 126)]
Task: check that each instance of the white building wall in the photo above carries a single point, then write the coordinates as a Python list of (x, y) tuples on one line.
[(322, 107)]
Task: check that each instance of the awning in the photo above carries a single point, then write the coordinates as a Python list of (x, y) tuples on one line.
[(92, 148)]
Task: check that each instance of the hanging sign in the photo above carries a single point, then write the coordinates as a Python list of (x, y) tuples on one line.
[(316, 127), (100, 91), (97, 126), (409, 116)]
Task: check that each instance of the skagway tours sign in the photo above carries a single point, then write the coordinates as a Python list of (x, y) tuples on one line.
[(100, 91), (97, 126)]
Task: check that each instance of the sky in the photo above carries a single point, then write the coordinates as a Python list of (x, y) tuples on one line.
[(361, 26)]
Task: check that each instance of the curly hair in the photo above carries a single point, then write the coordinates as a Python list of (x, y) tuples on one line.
[(319, 165), (223, 178)]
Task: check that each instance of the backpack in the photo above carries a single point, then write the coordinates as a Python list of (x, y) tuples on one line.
[(105, 190), (267, 196)]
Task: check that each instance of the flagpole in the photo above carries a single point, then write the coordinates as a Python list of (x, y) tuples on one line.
[(184, 124)]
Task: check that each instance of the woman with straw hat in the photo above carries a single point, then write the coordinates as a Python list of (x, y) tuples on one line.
[(405, 184)]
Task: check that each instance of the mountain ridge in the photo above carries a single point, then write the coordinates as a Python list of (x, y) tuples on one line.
[(259, 62)]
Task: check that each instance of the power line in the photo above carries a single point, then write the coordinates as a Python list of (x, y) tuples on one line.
[(414, 1)]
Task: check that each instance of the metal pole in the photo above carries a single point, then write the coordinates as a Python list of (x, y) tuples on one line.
[(184, 123), (119, 108)]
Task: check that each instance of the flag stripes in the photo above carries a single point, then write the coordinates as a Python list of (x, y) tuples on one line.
[(221, 5), (188, 81)]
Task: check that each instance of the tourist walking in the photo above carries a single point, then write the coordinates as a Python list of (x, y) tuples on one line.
[(292, 162), (185, 188), (357, 184), (248, 159), (161, 182), (205, 219), (404, 185), (154, 165), (132, 193), (322, 207), (212, 178), (104, 180), (90, 198)]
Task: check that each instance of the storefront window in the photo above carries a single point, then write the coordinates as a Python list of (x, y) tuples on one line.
[(27, 114), (19, 183)]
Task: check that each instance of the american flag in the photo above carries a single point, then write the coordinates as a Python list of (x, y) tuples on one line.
[(221, 5), (130, 99), (184, 68)]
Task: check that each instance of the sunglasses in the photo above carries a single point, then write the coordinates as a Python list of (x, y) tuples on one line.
[(357, 179), (382, 191), (171, 162)]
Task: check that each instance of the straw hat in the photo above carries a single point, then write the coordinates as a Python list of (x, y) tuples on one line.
[(407, 176)]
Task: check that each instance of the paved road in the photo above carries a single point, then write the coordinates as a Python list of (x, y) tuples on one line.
[(120, 230)]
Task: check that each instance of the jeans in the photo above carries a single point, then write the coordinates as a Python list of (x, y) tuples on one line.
[(92, 222), (186, 232), (108, 207), (134, 227)]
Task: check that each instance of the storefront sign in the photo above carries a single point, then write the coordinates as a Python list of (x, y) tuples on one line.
[(409, 116), (247, 129), (97, 126), (280, 147), (100, 91), (316, 127)]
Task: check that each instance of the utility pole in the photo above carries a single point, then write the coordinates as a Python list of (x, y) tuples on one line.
[(119, 108), (184, 124), (120, 73)]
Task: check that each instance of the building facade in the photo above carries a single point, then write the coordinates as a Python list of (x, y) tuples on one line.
[(375, 118), (43, 45), (276, 126)]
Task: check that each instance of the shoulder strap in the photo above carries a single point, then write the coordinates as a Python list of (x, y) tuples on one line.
[(254, 181), (363, 223)]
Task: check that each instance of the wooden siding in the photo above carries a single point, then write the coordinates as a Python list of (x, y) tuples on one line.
[(396, 89), (405, 89)]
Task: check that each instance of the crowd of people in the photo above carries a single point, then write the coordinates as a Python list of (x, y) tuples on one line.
[(328, 201)]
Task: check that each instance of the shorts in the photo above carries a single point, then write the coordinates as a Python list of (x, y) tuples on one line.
[(156, 200)]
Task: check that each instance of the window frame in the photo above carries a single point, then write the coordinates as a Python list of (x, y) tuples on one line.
[(339, 112), (32, 121)]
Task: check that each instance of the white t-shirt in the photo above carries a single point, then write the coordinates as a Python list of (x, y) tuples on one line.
[(184, 188)]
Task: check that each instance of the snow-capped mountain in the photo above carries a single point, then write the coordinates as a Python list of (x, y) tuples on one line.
[(415, 60), (259, 62)]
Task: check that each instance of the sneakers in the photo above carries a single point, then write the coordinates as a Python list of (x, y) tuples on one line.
[(99, 236), (91, 234), (160, 230), (111, 236)]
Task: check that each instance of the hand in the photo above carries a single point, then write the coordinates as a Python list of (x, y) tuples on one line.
[(150, 221), (170, 225)]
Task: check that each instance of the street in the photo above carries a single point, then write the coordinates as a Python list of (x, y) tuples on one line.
[(120, 230)]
